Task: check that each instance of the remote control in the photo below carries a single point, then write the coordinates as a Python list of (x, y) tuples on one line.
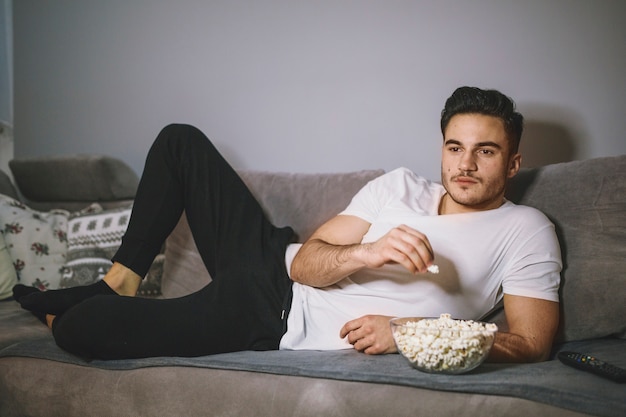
[(594, 365)]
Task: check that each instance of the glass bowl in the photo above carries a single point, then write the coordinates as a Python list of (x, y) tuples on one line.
[(443, 345)]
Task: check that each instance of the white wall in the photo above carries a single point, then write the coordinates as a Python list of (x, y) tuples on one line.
[(314, 86)]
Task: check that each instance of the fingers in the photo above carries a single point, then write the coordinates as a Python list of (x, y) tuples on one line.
[(417, 238), (369, 334), (349, 327), (409, 248)]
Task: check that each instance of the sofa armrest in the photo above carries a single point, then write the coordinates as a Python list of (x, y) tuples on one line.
[(6, 186), (73, 181)]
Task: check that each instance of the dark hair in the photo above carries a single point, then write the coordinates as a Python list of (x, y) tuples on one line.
[(466, 100)]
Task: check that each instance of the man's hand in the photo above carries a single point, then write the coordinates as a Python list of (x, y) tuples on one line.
[(335, 251), (401, 245), (370, 334)]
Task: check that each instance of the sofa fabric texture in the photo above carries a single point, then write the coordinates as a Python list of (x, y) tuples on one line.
[(585, 199)]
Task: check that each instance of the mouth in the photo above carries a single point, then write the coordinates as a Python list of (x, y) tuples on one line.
[(465, 180)]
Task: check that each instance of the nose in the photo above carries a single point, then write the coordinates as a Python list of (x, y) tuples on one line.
[(467, 162)]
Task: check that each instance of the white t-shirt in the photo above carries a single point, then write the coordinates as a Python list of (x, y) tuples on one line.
[(481, 255)]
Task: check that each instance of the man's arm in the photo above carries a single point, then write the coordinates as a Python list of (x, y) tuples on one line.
[(335, 251), (532, 325)]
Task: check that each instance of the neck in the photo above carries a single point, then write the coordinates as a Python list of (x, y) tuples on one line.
[(445, 206)]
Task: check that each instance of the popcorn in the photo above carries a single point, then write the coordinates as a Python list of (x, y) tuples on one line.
[(433, 269), (444, 344)]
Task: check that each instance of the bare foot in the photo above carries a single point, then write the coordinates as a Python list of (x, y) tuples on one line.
[(122, 280)]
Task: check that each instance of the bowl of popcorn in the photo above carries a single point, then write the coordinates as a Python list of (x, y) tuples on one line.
[(443, 345)]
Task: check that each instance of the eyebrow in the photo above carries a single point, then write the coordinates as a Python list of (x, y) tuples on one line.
[(478, 145)]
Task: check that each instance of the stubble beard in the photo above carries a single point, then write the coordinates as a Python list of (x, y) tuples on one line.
[(475, 196)]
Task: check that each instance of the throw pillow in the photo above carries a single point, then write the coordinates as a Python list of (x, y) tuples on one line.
[(93, 236), (36, 242), (8, 277)]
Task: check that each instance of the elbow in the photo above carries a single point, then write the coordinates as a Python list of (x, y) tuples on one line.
[(296, 268), (539, 355), (296, 276), (516, 349), (535, 357), (298, 273)]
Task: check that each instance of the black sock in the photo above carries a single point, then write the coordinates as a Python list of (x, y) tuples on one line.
[(20, 290), (57, 302)]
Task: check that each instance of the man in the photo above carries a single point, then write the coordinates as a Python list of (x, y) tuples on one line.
[(470, 219), (342, 286)]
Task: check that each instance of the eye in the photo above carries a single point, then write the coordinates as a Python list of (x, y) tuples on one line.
[(486, 152)]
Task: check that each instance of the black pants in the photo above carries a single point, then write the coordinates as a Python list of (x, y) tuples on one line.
[(241, 309)]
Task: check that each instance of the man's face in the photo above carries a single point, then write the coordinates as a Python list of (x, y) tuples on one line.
[(476, 163)]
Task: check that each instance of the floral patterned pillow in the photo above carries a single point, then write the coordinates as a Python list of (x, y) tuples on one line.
[(59, 249), (8, 277), (36, 242)]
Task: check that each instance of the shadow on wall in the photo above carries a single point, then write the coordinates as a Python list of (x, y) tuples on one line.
[(545, 142)]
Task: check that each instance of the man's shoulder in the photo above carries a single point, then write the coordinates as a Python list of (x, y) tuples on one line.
[(408, 176), (527, 213)]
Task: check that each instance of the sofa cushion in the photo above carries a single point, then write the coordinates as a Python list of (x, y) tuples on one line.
[(548, 382), (302, 201), (58, 181), (8, 276), (586, 200)]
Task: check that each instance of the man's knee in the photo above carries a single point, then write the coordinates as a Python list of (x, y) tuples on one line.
[(178, 131)]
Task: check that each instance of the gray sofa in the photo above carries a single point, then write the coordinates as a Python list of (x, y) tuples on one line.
[(585, 199)]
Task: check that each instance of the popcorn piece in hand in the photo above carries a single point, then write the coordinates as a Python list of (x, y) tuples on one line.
[(433, 269)]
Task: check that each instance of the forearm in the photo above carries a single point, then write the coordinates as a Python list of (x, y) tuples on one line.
[(335, 251), (320, 264), (509, 347), (532, 325)]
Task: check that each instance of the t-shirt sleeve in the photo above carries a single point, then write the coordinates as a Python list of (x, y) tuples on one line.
[(366, 203), (535, 271), (369, 201)]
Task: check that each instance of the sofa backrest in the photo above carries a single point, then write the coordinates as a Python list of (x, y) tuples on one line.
[(305, 201), (586, 200)]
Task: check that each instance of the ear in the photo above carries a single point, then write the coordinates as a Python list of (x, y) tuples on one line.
[(515, 162)]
